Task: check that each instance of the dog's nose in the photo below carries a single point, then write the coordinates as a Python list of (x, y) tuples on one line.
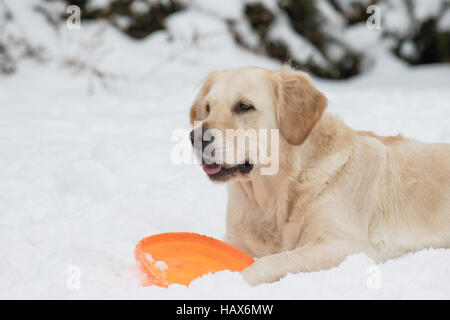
[(201, 137), (192, 136)]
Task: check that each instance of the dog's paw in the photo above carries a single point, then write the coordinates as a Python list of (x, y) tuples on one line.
[(261, 271), (251, 276)]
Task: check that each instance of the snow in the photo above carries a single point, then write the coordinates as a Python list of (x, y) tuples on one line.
[(408, 49), (331, 15), (246, 33), (426, 10), (361, 39), (99, 4), (395, 18), (139, 6), (190, 25), (161, 265), (347, 5), (444, 21), (86, 170), (300, 49), (218, 8)]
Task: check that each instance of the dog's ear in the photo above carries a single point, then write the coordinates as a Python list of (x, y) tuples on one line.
[(193, 113), (299, 105), (196, 113)]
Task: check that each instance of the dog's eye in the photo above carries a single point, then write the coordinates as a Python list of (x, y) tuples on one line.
[(207, 108), (244, 107)]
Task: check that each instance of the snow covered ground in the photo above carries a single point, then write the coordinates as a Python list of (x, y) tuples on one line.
[(86, 170)]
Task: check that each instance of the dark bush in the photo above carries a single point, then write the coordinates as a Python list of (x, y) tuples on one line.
[(429, 45), (259, 17), (304, 17), (141, 24)]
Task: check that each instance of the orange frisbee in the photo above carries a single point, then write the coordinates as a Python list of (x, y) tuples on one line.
[(180, 257)]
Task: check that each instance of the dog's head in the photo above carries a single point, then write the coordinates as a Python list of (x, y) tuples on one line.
[(245, 104)]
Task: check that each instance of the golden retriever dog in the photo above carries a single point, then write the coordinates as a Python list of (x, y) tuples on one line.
[(336, 192)]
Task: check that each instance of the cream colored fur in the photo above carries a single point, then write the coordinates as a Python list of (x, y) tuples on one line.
[(337, 192)]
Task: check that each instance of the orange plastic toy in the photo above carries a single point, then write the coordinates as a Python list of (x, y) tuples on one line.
[(180, 257)]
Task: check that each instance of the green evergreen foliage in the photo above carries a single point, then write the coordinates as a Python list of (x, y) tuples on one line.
[(334, 57)]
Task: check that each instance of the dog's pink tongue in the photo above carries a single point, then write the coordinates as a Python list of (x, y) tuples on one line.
[(212, 168)]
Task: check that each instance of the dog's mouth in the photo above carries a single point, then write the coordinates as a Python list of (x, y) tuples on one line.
[(220, 172)]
